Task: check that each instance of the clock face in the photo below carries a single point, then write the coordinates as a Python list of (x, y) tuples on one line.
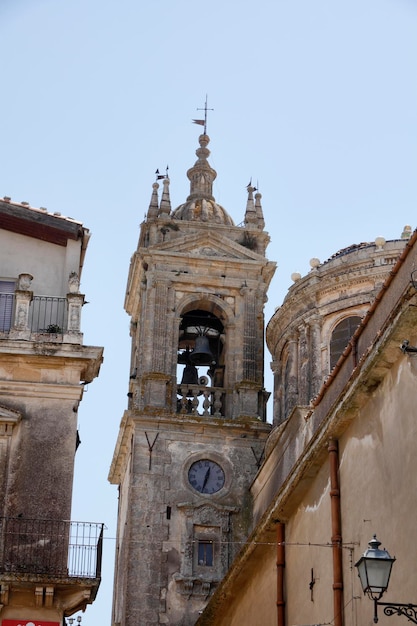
[(206, 476)]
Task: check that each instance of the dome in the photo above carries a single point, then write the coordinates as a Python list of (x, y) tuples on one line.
[(200, 204), (202, 210)]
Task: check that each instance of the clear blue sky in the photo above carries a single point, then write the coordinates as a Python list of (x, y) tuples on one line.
[(315, 100)]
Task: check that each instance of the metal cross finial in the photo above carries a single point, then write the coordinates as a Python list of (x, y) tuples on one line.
[(203, 122)]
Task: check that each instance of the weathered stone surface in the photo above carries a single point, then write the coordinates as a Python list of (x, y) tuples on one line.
[(193, 268)]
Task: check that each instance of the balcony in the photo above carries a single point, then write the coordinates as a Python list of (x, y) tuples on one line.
[(41, 318), (201, 400), (52, 549)]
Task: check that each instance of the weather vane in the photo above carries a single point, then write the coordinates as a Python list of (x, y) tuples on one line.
[(204, 121), (161, 176)]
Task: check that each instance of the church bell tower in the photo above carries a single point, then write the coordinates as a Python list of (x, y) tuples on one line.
[(193, 436)]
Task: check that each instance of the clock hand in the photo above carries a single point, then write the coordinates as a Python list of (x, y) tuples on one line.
[(206, 477)]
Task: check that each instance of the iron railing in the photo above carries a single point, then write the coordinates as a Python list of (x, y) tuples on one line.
[(48, 314), (57, 548)]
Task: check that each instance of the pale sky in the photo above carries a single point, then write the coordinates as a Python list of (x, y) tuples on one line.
[(316, 100)]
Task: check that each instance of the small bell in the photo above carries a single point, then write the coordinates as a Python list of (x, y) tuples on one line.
[(189, 375)]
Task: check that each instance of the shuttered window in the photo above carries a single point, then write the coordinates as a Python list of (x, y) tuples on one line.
[(7, 288)]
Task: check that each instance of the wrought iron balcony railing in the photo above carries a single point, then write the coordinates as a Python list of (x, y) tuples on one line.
[(48, 314), (56, 548), (23, 315)]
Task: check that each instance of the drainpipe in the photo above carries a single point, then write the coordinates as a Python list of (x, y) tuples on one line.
[(280, 573), (336, 517)]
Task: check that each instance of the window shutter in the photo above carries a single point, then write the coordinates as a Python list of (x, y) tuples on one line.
[(7, 288)]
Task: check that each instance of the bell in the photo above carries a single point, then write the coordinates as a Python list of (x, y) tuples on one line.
[(189, 375), (201, 354)]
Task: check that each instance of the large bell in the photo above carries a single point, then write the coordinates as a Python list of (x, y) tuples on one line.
[(201, 354), (189, 375)]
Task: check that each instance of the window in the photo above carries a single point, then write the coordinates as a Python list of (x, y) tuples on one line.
[(205, 553), (7, 288), (341, 335)]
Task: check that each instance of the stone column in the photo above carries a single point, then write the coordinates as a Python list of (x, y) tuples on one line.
[(160, 338), (75, 301), (315, 358), (277, 394), (303, 369), (157, 380), (249, 387), (291, 375), (249, 335), (8, 420), (73, 334), (23, 298)]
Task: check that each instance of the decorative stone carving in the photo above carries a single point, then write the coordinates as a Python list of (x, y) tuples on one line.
[(73, 333), (24, 281), (73, 283)]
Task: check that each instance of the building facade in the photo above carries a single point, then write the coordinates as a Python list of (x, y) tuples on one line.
[(310, 330), (192, 438), (338, 470), (49, 566)]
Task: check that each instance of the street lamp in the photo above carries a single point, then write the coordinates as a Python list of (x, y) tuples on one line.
[(71, 620), (374, 569)]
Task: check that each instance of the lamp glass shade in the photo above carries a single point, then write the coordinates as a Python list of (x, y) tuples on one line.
[(374, 569)]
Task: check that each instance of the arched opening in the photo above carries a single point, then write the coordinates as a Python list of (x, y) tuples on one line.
[(200, 362), (341, 336)]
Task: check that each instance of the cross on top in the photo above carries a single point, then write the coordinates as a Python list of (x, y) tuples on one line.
[(204, 121)]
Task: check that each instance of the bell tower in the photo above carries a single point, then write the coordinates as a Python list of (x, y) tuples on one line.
[(193, 436)]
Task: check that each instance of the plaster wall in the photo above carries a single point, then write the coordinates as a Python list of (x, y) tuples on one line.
[(308, 556), (22, 254), (42, 457), (256, 602), (378, 482)]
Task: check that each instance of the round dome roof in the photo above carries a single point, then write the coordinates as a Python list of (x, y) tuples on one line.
[(203, 210), (200, 204)]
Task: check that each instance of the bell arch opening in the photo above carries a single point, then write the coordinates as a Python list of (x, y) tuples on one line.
[(200, 363)]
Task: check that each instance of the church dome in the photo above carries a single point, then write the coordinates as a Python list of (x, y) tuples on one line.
[(201, 205), (202, 210)]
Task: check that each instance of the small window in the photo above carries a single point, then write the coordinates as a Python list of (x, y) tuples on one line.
[(341, 336), (205, 553), (7, 288)]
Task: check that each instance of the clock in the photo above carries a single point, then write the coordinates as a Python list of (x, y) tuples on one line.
[(206, 476)]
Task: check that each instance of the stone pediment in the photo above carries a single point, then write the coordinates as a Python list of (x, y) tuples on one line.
[(8, 419), (208, 244)]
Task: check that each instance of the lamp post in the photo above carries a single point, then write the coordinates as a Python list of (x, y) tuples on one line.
[(71, 620), (374, 569)]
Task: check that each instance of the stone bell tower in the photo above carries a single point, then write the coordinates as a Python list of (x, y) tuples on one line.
[(192, 438)]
